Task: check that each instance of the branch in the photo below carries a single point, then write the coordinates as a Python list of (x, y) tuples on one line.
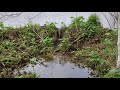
[(9, 15), (36, 16), (107, 20), (113, 16), (36, 33)]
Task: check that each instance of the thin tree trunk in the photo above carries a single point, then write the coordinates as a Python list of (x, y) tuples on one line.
[(118, 43)]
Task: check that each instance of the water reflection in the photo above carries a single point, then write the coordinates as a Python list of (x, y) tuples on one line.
[(58, 68)]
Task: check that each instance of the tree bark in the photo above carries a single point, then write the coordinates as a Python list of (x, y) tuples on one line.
[(118, 44)]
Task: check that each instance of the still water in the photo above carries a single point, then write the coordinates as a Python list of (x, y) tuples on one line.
[(59, 67), (57, 17)]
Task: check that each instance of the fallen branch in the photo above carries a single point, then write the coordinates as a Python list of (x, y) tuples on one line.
[(76, 39), (36, 33)]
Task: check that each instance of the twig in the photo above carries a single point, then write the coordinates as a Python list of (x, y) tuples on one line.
[(76, 39), (10, 15), (19, 49), (3, 64), (76, 23), (36, 33), (113, 16), (36, 16), (107, 20)]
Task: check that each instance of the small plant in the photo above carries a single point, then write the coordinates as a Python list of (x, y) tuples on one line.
[(33, 60), (94, 20), (65, 45), (77, 22), (47, 42), (47, 45), (108, 42), (2, 27), (51, 27), (8, 45), (113, 73), (27, 75), (92, 26), (95, 60), (82, 53), (64, 26)]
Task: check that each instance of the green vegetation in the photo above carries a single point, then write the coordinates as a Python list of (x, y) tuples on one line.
[(27, 75), (87, 38), (91, 42)]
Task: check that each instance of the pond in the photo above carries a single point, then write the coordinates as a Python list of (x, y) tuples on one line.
[(59, 67)]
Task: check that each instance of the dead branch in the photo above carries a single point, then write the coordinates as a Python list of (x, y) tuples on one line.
[(36, 15), (107, 19), (7, 15)]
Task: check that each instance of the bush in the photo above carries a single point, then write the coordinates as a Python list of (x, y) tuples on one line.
[(92, 26), (65, 45), (77, 22), (1, 26), (113, 73), (47, 42)]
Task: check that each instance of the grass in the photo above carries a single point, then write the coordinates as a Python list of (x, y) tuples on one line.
[(26, 75), (100, 56)]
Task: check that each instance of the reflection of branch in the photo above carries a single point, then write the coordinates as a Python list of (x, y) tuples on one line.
[(115, 16), (36, 16), (107, 20), (10, 15)]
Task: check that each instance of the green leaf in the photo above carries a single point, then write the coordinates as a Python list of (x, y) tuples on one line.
[(33, 60)]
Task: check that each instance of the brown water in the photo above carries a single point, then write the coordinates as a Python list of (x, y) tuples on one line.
[(59, 67)]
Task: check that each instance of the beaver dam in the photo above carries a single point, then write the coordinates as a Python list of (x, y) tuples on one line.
[(84, 49)]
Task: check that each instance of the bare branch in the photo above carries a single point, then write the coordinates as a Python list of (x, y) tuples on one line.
[(107, 20), (36, 15), (6, 15), (113, 16)]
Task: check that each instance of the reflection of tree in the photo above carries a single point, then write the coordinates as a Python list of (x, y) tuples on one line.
[(116, 19), (36, 15), (7, 15), (111, 18)]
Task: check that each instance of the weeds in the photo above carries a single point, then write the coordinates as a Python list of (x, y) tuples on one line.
[(26, 75)]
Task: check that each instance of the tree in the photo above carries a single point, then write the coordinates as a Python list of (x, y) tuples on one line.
[(116, 18)]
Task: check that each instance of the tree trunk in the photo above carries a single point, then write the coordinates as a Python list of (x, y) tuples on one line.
[(118, 43)]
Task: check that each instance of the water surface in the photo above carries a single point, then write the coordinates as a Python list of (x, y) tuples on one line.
[(59, 67), (57, 17)]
